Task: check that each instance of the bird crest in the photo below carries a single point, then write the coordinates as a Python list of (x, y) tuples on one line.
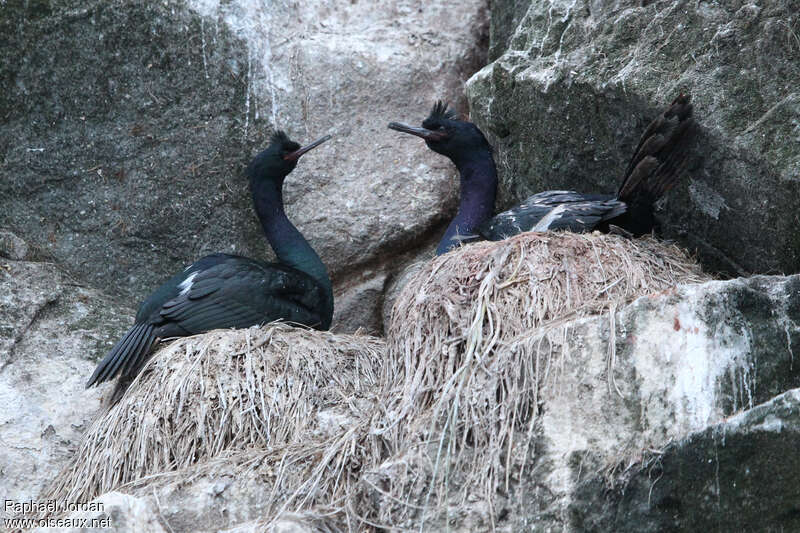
[(441, 112), (279, 137)]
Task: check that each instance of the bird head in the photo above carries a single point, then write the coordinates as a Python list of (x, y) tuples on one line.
[(445, 134), (279, 158)]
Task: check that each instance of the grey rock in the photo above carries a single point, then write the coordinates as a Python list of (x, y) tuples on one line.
[(505, 18), (12, 247), (667, 366), (52, 332), (211, 503), (356, 300), (577, 83), (27, 289), (128, 127), (114, 510), (217, 501), (738, 475)]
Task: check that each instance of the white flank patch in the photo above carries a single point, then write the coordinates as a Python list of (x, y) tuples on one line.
[(549, 218), (186, 285)]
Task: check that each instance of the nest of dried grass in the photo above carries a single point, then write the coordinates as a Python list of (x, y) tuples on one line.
[(235, 389), (470, 336), (311, 483), (355, 434)]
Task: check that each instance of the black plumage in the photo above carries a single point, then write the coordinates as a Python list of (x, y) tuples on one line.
[(658, 162), (465, 145), (230, 291), (553, 210)]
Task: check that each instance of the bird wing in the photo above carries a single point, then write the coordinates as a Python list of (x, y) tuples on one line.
[(661, 155), (239, 293), (553, 210)]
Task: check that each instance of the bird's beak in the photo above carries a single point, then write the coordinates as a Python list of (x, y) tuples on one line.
[(428, 135), (294, 156)]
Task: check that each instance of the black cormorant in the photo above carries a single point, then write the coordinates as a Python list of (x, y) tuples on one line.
[(230, 291), (658, 161)]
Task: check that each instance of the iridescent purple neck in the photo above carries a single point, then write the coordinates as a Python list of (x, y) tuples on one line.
[(478, 191)]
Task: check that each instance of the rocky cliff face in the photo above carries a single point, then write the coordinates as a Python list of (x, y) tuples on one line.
[(126, 128), (574, 84), (52, 331), (559, 71), (738, 474), (657, 416)]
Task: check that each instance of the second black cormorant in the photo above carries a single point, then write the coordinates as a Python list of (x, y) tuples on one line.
[(230, 291), (657, 163)]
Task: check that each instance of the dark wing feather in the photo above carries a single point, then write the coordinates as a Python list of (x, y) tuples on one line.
[(240, 293), (553, 210), (661, 155), (217, 291), (127, 354)]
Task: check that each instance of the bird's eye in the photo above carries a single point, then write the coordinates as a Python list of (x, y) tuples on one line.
[(440, 127)]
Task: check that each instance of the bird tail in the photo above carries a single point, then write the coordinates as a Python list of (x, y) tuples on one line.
[(661, 156), (127, 355)]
